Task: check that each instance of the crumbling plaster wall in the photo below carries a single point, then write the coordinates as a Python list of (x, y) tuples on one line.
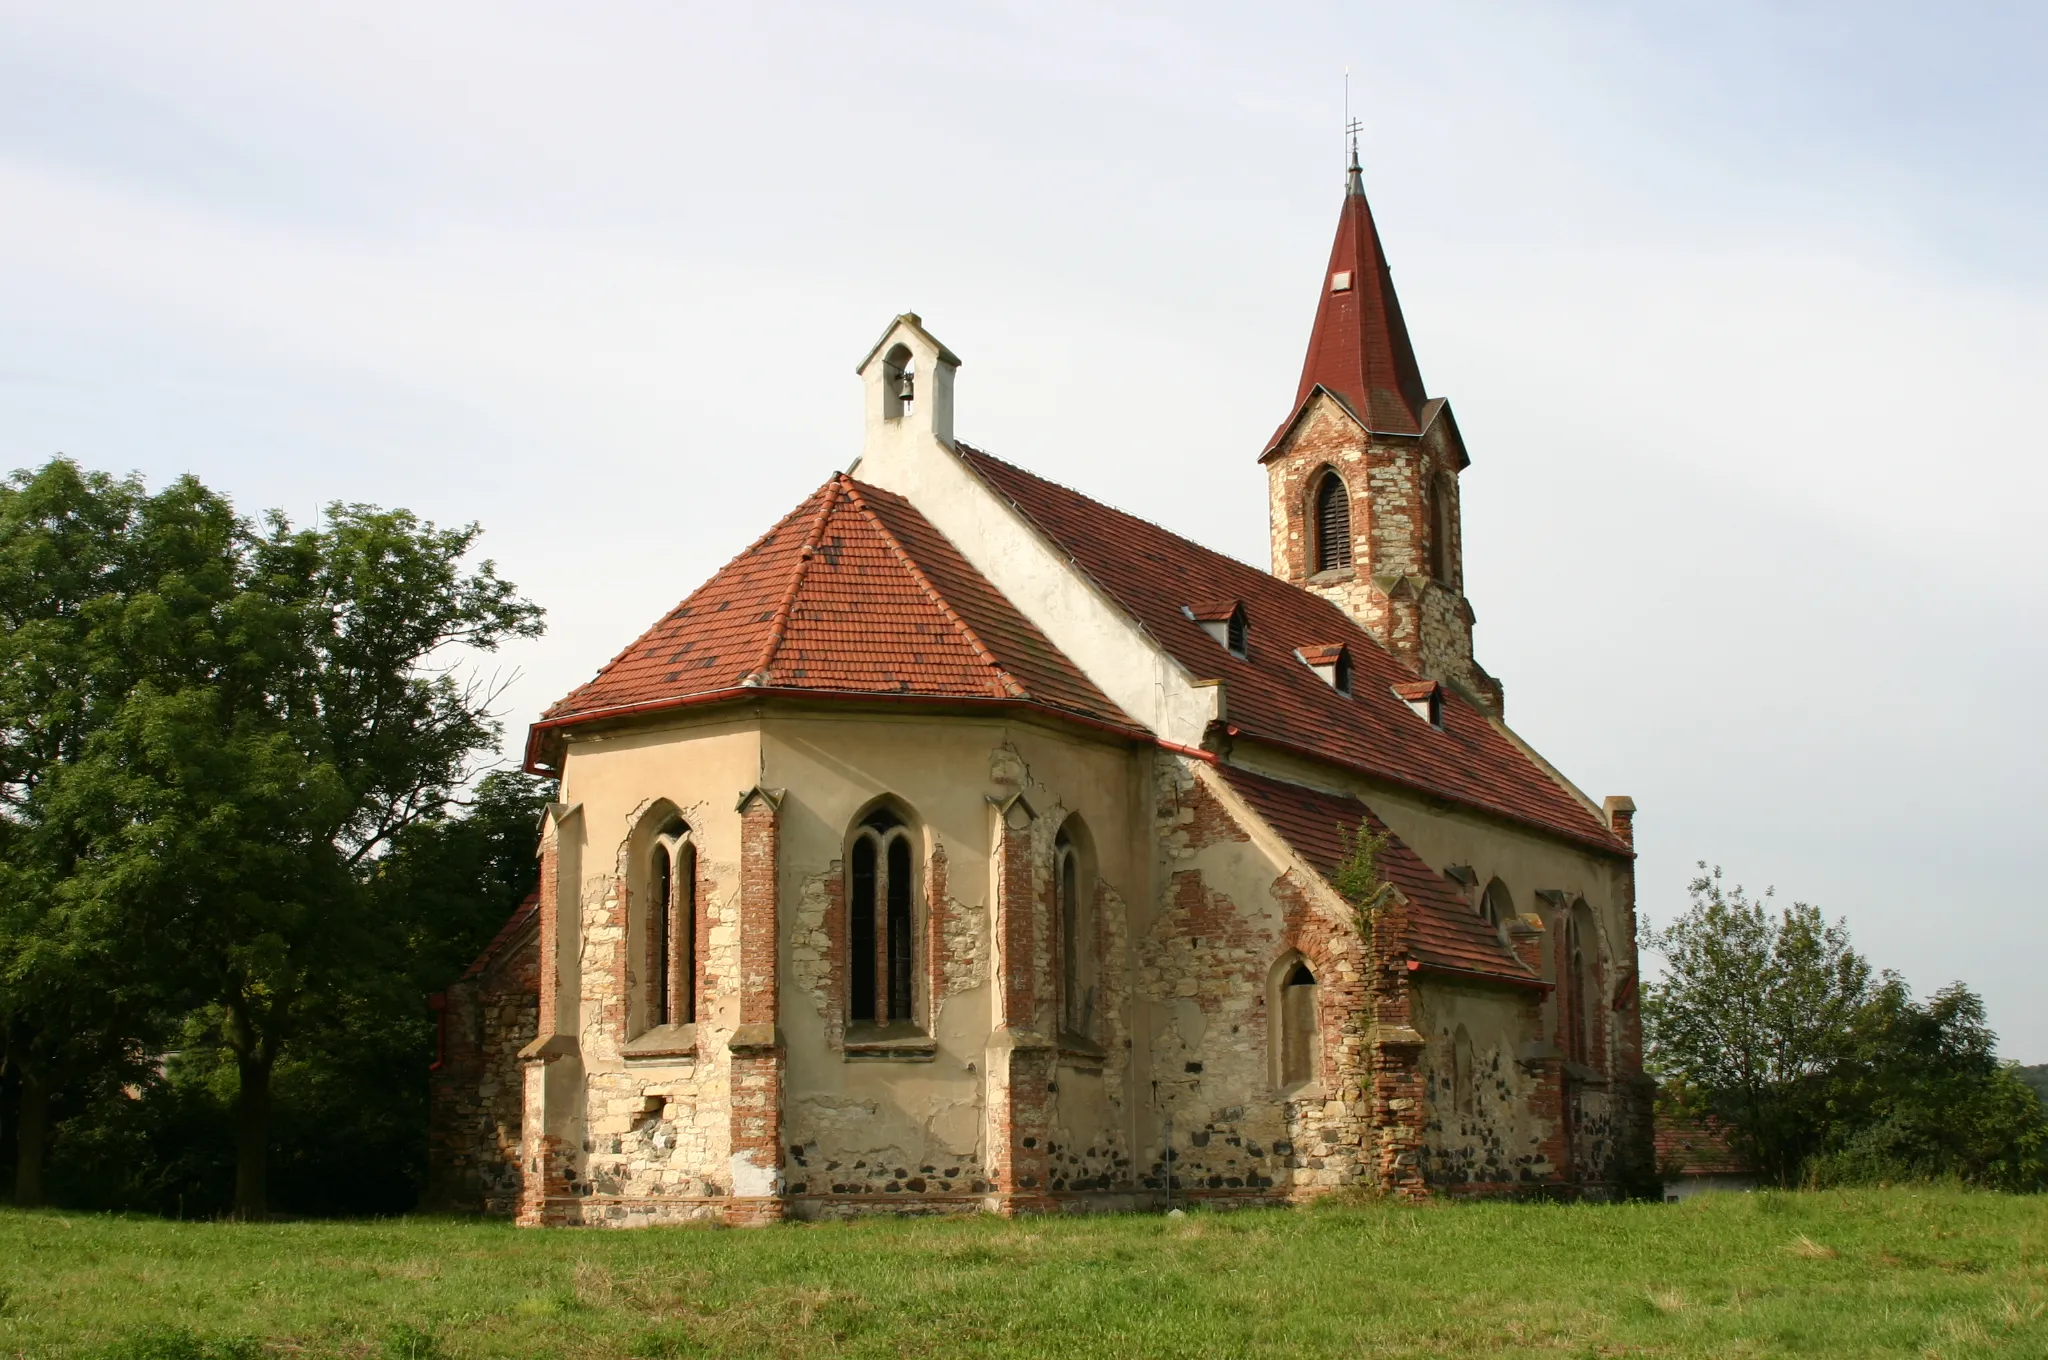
[(1499, 1136), (1590, 1118), (656, 1131), (1232, 910)]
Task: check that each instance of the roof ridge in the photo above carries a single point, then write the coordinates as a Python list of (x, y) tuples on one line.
[(672, 610), (979, 452), (778, 626), (1005, 681), (1495, 775)]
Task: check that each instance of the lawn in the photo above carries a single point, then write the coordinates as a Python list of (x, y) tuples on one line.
[(1869, 1273)]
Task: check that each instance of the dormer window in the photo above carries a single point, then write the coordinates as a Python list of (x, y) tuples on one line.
[(1332, 663), (1340, 282), (1224, 620), (1426, 698)]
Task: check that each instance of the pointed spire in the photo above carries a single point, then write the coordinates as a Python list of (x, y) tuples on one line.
[(1360, 348)]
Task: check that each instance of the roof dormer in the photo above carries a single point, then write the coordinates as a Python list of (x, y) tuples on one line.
[(1224, 620), (1330, 661), (1426, 698)]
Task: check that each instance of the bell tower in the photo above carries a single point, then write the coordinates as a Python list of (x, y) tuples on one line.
[(1362, 477)]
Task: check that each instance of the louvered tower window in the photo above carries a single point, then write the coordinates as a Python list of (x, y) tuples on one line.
[(1333, 524)]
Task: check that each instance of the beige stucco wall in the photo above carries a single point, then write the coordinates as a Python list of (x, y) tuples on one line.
[(868, 1124)]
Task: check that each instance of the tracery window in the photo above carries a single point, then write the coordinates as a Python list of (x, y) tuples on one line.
[(1333, 523), (881, 921), (668, 994)]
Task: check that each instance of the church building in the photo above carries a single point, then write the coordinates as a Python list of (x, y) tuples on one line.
[(966, 844)]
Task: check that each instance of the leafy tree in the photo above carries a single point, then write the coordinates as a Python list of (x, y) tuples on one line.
[(1823, 1072), (263, 722), (76, 551), (1756, 1009), (1923, 1096), (349, 1092)]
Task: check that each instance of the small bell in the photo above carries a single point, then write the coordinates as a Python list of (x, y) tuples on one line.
[(905, 386)]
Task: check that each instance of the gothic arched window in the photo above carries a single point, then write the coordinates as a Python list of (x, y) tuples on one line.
[(1464, 1097), (881, 920), (1498, 905), (1078, 964), (1578, 976), (1300, 1040), (1333, 523)]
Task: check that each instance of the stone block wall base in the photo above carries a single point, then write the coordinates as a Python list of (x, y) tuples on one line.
[(1019, 1204), (754, 1211), (543, 1192)]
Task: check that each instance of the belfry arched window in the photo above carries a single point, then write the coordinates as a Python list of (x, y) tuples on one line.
[(899, 382), (881, 921), (668, 931), (1438, 518), (1333, 523)]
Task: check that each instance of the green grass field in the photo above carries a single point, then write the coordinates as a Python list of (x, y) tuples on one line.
[(1870, 1273)]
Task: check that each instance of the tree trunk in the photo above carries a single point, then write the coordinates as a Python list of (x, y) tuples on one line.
[(252, 1137), (32, 1138)]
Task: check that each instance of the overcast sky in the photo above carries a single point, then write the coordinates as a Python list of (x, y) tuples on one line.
[(1743, 309)]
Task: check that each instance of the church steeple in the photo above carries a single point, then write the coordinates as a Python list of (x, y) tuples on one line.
[(1359, 348), (1362, 477)]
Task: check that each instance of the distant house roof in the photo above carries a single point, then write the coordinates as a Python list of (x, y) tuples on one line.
[(1688, 1146), (852, 593), (1444, 930), (1158, 577)]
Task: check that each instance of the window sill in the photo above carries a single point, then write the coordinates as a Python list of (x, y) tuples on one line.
[(1076, 1051), (1334, 576), (1304, 1091), (663, 1041), (897, 1041)]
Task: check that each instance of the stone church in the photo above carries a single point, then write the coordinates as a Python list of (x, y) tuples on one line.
[(967, 844)]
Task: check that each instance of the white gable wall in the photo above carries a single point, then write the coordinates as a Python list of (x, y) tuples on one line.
[(912, 455)]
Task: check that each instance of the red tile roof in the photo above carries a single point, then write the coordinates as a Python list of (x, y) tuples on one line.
[(854, 592), (1154, 575), (1359, 349), (1443, 928), (522, 917)]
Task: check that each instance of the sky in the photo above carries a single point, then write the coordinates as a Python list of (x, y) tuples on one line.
[(1742, 307)]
